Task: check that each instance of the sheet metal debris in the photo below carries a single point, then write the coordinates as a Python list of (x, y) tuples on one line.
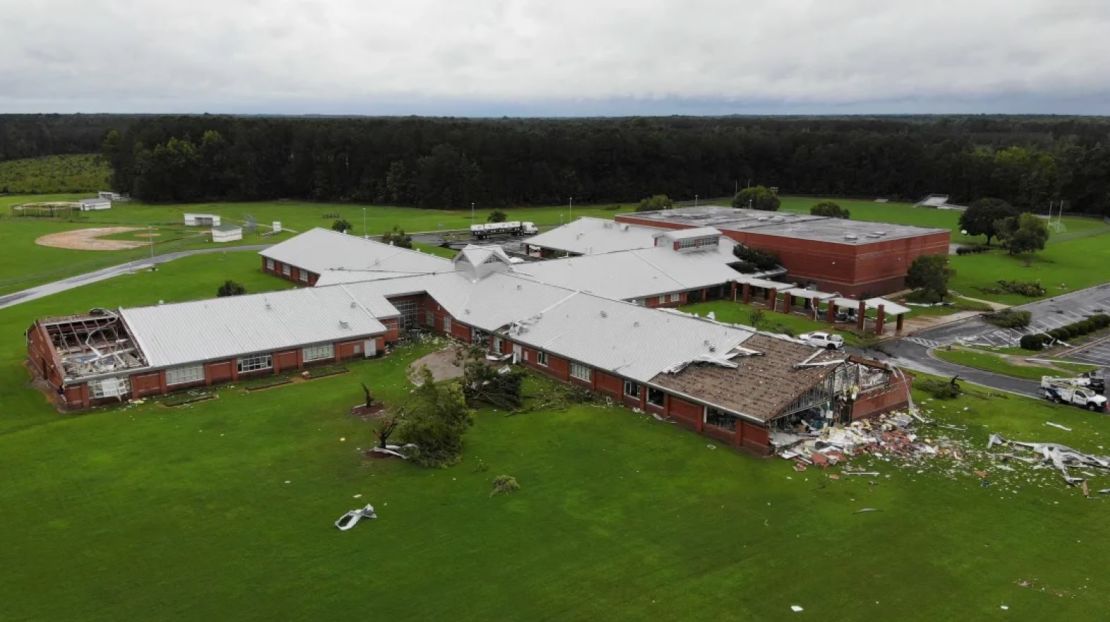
[(910, 440)]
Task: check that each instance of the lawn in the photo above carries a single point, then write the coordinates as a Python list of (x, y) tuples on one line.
[(792, 324), (1000, 364), (222, 509)]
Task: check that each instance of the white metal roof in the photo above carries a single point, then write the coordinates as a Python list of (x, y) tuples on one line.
[(810, 294), (889, 306), (190, 332), (636, 342), (638, 273), (590, 236), (352, 258), (686, 234)]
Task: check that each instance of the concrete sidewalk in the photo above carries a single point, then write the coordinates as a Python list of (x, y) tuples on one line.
[(54, 287)]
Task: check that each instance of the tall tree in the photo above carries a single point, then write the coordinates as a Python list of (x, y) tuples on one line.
[(757, 197), (982, 216)]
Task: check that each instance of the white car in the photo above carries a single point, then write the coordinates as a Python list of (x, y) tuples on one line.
[(828, 341)]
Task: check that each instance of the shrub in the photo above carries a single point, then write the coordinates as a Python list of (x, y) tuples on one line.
[(231, 288), (341, 225), (830, 209), (1009, 318), (655, 203), (503, 485), (972, 250), (757, 197), (497, 216), (940, 389), (1031, 289), (760, 260), (1033, 342)]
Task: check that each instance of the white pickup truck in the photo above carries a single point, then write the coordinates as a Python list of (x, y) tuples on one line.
[(828, 341), (1068, 391)]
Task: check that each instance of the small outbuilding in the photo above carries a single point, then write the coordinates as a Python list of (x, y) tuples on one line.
[(202, 220), (227, 233), (95, 204)]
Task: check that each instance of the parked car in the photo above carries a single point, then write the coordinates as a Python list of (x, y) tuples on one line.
[(828, 341)]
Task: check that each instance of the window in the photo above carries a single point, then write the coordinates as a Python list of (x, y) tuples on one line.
[(429, 318), (697, 242), (255, 363), (631, 389), (447, 324), (318, 353), (497, 345), (580, 371), (303, 275), (676, 297), (109, 387), (269, 264), (720, 419), (285, 269), (662, 299), (357, 349), (656, 397), (476, 335), (185, 375), (541, 358)]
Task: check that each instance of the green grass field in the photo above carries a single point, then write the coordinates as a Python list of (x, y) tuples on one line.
[(58, 173), (987, 361), (222, 509)]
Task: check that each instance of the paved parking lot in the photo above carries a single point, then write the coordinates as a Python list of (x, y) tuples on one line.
[(1047, 314), (1096, 354)]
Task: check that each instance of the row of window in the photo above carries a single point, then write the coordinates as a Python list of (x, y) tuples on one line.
[(287, 271), (195, 373)]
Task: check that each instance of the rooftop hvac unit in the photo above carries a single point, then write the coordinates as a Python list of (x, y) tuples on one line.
[(851, 236)]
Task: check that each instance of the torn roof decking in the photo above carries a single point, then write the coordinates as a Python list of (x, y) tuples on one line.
[(760, 387), (341, 258)]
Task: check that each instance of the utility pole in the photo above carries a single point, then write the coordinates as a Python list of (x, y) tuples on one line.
[(150, 233)]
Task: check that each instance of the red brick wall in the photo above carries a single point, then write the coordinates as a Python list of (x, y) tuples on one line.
[(77, 396), (147, 384), (42, 356), (876, 402), (755, 437), (874, 268), (686, 413), (724, 436), (608, 383), (460, 331), (346, 350), (222, 371), (289, 359)]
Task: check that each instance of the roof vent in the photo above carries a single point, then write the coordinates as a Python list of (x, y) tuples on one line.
[(352, 304), (604, 314), (343, 324), (518, 287), (636, 324), (851, 236), (624, 227)]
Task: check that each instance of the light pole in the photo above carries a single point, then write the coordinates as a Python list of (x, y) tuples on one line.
[(150, 234), (471, 212), (695, 200), (365, 235), (570, 215)]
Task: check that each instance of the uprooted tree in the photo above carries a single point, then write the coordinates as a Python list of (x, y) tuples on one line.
[(434, 420), (384, 428), (487, 384)]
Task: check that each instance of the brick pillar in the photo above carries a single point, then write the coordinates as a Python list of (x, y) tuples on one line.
[(898, 324), (861, 314), (787, 302), (830, 313), (772, 298), (734, 291), (747, 293), (880, 319)]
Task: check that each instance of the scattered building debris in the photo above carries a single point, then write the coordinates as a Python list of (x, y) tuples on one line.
[(352, 518), (1058, 426)]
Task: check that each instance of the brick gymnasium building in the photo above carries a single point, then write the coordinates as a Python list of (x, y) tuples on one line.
[(725, 381), (850, 257)]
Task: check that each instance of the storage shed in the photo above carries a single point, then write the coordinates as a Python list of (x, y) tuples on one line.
[(227, 233)]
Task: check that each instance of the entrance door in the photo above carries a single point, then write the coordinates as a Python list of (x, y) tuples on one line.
[(517, 353), (369, 348)]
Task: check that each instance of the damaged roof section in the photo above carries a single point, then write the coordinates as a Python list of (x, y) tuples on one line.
[(760, 387)]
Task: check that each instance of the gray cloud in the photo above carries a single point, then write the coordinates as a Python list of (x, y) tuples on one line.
[(571, 57)]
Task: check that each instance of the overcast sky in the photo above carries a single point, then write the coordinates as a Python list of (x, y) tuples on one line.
[(555, 57)]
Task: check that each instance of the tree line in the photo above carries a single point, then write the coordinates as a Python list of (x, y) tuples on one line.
[(450, 163)]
